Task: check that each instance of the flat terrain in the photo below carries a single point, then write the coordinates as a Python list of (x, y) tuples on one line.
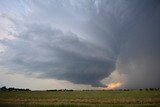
[(133, 98)]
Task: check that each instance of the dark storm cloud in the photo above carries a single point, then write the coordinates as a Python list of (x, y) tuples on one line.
[(139, 57), (84, 41), (57, 55)]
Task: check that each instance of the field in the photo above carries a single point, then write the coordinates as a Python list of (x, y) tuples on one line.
[(133, 98)]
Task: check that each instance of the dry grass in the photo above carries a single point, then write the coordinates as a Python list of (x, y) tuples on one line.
[(77, 101), (80, 97)]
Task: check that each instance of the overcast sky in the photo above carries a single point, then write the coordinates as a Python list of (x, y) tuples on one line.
[(79, 44)]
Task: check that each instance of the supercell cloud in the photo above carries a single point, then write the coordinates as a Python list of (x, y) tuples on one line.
[(82, 41)]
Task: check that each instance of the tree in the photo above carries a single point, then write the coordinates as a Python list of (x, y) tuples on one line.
[(4, 88)]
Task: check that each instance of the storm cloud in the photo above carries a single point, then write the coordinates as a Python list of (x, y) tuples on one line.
[(83, 41), (57, 55)]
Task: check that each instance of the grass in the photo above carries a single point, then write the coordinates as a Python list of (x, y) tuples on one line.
[(134, 98), (86, 105)]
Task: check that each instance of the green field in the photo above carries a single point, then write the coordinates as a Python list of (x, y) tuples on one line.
[(133, 98)]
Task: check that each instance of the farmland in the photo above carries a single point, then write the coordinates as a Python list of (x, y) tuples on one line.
[(131, 98)]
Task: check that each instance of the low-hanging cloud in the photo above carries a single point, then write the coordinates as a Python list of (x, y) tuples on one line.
[(59, 55), (84, 41)]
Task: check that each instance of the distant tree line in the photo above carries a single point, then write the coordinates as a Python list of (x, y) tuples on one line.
[(4, 88), (145, 89), (150, 89), (60, 90)]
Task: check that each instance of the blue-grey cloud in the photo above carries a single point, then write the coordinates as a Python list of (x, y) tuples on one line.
[(57, 55), (139, 57), (84, 41)]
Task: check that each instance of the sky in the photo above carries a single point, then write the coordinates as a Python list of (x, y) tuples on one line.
[(80, 44)]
